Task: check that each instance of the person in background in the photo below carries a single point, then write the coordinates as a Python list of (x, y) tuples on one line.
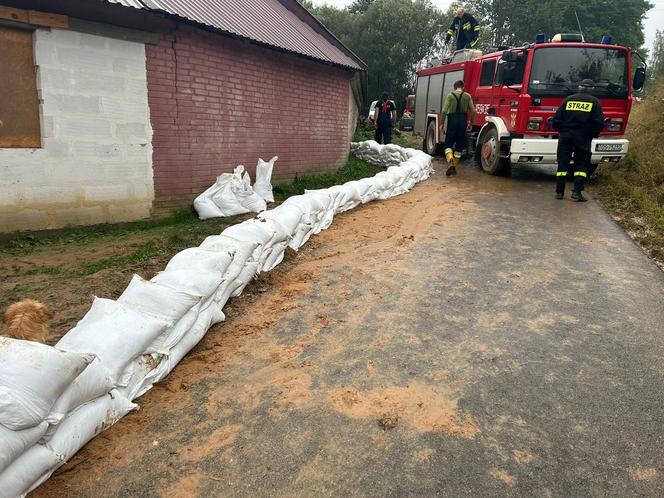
[(466, 29), (578, 120), (456, 107), (385, 117)]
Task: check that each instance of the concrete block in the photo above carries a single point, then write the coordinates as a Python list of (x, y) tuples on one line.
[(99, 43), (55, 148), (79, 216), (49, 195), (61, 37), (136, 87), (44, 52), (118, 107), (88, 127), (83, 59), (47, 126), (70, 104), (142, 191), (8, 197), (138, 153), (53, 78), (100, 83), (105, 193), (24, 219), (131, 130), (129, 212), (92, 151)]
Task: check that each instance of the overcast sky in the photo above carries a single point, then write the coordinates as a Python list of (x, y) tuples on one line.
[(655, 16)]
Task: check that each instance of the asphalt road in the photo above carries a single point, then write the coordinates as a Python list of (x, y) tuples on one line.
[(475, 337)]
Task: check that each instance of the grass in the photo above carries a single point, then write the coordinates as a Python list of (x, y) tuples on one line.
[(143, 241), (633, 190), (354, 169)]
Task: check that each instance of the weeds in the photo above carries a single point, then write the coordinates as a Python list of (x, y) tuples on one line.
[(633, 190)]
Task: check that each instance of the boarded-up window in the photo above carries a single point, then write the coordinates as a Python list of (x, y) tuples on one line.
[(19, 105)]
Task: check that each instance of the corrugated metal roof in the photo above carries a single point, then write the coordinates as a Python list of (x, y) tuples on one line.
[(268, 22), (129, 3)]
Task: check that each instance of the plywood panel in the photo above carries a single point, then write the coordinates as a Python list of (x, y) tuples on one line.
[(19, 105)]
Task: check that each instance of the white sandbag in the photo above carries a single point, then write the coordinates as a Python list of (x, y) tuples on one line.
[(311, 207), (287, 216), (254, 231), (28, 471), (235, 287), (230, 195), (172, 335), (95, 381), (141, 368), (207, 317), (86, 422), (303, 234), (193, 282), (163, 302), (14, 443), (195, 258), (263, 185), (277, 254), (32, 377), (115, 333)]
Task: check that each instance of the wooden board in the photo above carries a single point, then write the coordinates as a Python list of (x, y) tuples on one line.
[(46, 19), (12, 14), (19, 105)]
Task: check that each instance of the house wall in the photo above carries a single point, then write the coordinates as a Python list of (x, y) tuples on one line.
[(217, 102), (95, 164)]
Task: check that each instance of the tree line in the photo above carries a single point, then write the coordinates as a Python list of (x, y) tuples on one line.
[(396, 37)]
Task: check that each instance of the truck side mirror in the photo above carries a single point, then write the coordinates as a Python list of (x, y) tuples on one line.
[(639, 78)]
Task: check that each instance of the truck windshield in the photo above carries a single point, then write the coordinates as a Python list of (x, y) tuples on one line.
[(557, 71)]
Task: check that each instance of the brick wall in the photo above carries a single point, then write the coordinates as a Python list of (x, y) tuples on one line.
[(217, 102)]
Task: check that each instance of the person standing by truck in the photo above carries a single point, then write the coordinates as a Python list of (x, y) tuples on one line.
[(385, 118), (578, 120), (466, 29), (457, 105)]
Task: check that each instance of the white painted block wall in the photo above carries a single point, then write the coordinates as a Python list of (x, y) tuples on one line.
[(95, 164)]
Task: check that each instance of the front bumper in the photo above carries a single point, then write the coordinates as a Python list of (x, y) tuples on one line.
[(543, 150)]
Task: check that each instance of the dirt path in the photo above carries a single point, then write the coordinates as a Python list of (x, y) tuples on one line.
[(474, 337)]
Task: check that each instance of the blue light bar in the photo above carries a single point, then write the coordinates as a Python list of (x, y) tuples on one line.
[(540, 38), (607, 39)]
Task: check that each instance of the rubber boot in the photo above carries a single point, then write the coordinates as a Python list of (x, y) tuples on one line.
[(449, 155), (578, 197)]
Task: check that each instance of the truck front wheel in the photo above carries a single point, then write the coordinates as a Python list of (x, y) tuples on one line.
[(489, 154), (431, 147)]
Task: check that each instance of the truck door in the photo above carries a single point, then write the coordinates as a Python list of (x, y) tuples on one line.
[(484, 98), (506, 93)]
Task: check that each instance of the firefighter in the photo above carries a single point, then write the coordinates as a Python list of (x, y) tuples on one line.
[(385, 118), (578, 120), (456, 107), (466, 29)]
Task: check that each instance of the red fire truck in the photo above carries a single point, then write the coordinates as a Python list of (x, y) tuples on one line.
[(517, 90)]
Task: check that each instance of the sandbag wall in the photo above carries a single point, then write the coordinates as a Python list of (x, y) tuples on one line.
[(53, 400)]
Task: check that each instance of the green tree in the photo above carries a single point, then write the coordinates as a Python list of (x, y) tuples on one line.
[(657, 56), (360, 6), (390, 36), (513, 22)]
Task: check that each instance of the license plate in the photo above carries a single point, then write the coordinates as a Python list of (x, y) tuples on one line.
[(608, 148)]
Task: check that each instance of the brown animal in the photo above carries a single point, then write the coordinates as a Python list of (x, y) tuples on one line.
[(27, 320)]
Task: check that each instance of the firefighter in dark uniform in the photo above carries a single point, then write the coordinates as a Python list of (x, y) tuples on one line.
[(578, 120), (455, 109), (386, 117), (466, 29)]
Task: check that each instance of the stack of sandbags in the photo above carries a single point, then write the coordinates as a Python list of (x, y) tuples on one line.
[(381, 155), (50, 408), (230, 195), (51, 403)]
